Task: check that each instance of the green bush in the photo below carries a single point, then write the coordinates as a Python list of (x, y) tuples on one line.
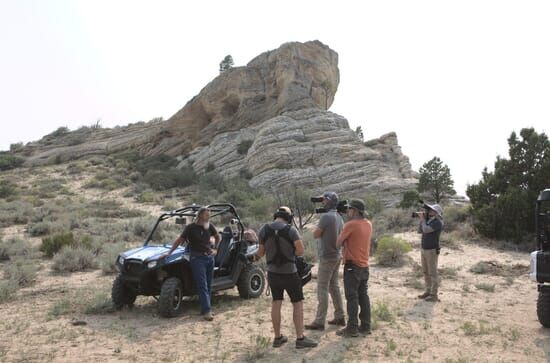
[(51, 245), (171, 178), (8, 161), (22, 272), (39, 229), (212, 181), (243, 146), (15, 212), (373, 205), (72, 259), (409, 200), (391, 251), (109, 255), (8, 288), (7, 188), (455, 216)]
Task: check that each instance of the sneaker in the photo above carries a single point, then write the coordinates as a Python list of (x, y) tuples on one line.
[(431, 298), (340, 322), (347, 333), (314, 326), (365, 330), (305, 342), (277, 342), (424, 295), (208, 316)]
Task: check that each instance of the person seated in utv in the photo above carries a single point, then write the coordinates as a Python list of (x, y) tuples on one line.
[(199, 236)]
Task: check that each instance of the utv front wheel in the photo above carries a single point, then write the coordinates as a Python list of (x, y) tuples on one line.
[(121, 294), (171, 293), (543, 307), (251, 283)]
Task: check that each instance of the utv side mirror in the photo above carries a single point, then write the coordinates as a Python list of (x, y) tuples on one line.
[(182, 221), (234, 221)]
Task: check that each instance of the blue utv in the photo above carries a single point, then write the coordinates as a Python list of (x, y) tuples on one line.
[(168, 280)]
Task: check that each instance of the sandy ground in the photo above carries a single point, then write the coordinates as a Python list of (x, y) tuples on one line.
[(468, 324)]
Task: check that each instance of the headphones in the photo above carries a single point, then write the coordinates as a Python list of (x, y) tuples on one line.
[(285, 213)]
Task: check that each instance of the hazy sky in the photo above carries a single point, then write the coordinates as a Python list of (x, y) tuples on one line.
[(452, 79)]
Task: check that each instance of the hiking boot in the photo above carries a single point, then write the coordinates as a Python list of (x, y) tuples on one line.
[(208, 316), (365, 330), (314, 326), (424, 295), (340, 322), (432, 298), (277, 342), (348, 332), (305, 342)]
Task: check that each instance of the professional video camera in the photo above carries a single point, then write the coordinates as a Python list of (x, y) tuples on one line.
[(341, 207), (425, 211)]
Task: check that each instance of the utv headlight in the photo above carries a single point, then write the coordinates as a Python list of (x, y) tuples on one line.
[(120, 260), (151, 264)]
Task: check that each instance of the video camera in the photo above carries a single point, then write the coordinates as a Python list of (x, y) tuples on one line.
[(425, 211), (341, 207)]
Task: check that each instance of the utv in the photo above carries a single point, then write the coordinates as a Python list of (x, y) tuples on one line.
[(540, 259), (168, 280)]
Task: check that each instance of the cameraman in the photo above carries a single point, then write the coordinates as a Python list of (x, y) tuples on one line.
[(327, 231), (281, 243), (431, 225)]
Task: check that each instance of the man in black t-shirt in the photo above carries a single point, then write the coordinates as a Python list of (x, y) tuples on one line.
[(199, 236), (430, 226)]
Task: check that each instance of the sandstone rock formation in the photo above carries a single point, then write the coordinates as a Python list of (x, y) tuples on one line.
[(266, 120)]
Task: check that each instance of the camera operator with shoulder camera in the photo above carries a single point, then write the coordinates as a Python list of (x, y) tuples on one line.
[(281, 243), (327, 231), (431, 225)]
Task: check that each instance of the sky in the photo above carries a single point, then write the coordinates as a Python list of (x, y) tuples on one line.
[(453, 79)]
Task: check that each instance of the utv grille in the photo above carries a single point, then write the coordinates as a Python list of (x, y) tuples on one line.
[(133, 267)]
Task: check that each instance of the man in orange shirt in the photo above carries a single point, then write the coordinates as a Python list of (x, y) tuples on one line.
[(356, 240)]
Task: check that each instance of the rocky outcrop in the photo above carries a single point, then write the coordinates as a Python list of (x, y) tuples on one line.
[(266, 121), (312, 149)]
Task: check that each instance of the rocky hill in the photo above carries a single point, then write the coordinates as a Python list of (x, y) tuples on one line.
[(267, 121)]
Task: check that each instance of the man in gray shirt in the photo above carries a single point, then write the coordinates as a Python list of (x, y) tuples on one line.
[(280, 242), (327, 231)]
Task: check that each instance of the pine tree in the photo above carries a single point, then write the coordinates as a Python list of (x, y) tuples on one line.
[(226, 63), (435, 179)]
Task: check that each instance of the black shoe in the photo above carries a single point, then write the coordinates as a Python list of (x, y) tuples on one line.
[(277, 342), (365, 330), (424, 295), (305, 342), (347, 332), (340, 322), (314, 326)]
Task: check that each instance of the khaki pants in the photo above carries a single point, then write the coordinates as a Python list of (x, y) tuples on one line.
[(327, 282), (429, 268)]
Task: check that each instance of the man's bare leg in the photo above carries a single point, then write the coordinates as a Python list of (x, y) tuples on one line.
[(298, 317), (276, 317)]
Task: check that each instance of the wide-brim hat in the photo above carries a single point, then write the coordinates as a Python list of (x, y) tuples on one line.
[(357, 204), (436, 208)]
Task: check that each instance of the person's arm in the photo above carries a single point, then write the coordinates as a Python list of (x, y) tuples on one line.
[(214, 233), (318, 232), (434, 226), (299, 248), (261, 247), (342, 238)]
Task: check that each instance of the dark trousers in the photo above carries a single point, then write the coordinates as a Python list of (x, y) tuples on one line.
[(355, 288), (202, 268)]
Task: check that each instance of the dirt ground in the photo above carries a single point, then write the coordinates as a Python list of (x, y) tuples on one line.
[(487, 317)]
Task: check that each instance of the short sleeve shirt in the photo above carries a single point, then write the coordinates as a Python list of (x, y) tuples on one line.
[(331, 223), (199, 238)]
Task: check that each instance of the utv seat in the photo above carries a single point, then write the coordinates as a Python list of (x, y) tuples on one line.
[(222, 257)]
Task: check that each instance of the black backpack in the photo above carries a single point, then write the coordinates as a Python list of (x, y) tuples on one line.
[(304, 268)]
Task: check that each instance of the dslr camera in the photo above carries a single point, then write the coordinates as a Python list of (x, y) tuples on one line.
[(425, 210), (341, 207)]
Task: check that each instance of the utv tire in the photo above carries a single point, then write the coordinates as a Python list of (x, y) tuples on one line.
[(170, 299), (251, 283), (121, 294), (543, 307)]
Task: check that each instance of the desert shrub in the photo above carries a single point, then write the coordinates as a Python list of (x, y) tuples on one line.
[(74, 168), (8, 161), (310, 244), (108, 256), (16, 247), (39, 229), (243, 146), (49, 188), (212, 181), (107, 208), (71, 259), (410, 199), (7, 188), (455, 216), (21, 271), (246, 174), (157, 162), (98, 304), (391, 221), (51, 245), (8, 288), (146, 197), (261, 208), (485, 287), (391, 251), (171, 178), (16, 146), (15, 212), (210, 167), (381, 312), (373, 205)]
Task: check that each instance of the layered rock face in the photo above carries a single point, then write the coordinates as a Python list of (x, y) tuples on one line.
[(268, 121)]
